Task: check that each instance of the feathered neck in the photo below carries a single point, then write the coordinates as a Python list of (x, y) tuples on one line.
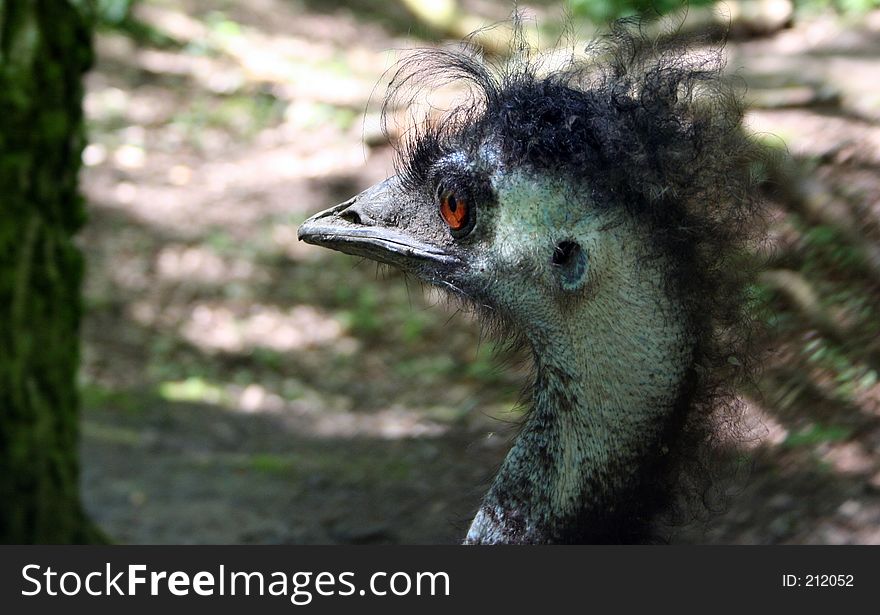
[(586, 464)]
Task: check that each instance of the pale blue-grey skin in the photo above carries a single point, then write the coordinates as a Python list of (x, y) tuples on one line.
[(609, 341)]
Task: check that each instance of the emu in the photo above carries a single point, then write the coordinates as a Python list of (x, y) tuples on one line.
[(599, 214)]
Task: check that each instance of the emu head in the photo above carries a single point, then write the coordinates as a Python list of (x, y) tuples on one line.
[(540, 186), (597, 211), (512, 240)]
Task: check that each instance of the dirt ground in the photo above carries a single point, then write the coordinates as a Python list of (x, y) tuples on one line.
[(242, 387)]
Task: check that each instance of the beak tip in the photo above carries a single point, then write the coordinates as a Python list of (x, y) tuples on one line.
[(303, 232)]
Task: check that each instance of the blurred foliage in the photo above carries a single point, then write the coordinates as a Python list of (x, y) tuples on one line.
[(816, 434), (113, 11), (604, 10), (242, 114), (117, 15), (448, 16), (845, 7), (193, 389)]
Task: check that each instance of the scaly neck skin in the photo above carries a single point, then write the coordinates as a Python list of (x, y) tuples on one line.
[(607, 378)]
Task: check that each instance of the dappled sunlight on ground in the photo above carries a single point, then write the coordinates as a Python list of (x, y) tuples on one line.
[(181, 262), (303, 327)]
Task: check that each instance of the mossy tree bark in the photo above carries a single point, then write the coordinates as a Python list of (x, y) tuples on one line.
[(45, 47)]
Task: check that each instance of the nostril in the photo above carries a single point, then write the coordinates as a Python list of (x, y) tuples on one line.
[(356, 215), (351, 215)]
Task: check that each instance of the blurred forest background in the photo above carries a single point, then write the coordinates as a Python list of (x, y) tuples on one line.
[(239, 386)]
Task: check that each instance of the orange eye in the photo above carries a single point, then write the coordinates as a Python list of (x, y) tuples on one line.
[(454, 211)]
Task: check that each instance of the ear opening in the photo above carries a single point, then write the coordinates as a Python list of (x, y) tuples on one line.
[(572, 264)]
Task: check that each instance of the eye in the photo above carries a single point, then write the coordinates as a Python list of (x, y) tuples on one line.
[(455, 210)]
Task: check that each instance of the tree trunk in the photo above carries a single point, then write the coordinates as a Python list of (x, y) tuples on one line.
[(45, 46)]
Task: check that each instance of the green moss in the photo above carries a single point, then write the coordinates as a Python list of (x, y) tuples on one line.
[(45, 49)]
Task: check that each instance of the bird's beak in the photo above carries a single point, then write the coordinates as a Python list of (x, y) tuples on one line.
[(366, 225)]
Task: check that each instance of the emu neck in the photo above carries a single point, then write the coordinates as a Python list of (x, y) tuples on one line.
[(590, 454)]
